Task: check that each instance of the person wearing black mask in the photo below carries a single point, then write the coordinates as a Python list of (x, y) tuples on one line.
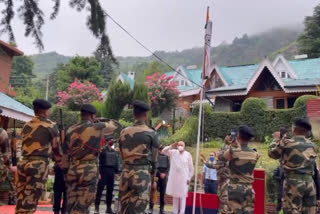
[(163, 167), (109, 167)]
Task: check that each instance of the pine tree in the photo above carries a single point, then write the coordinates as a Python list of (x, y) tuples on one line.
[(140, 92), (33, 19), (309, 41), (119, 95)]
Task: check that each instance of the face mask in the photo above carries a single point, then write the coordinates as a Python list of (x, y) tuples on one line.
[(180, 148), (211, 158)]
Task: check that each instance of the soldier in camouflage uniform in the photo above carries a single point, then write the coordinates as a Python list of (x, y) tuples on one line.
[(81, 150), (297, 156), (242, 161), (223, 174), (40, 138), (139, 149), (6, 169)]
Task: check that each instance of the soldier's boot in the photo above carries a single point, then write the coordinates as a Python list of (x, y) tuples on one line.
[(161, 210), (109, 210), (150, 208), (96, 209)]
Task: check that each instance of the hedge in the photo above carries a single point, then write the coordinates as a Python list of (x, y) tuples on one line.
[(69, 118), (253, 113)]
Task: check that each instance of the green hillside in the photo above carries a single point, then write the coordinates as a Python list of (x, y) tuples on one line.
[(244, 50), (47, 62)]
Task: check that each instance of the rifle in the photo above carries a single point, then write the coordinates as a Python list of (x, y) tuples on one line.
[(13, 145), (61, 127)]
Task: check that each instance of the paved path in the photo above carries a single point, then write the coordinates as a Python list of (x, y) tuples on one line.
[(47, 209)]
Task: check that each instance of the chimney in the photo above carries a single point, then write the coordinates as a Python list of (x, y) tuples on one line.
[(303, 56), (191, 67), (131, 74)]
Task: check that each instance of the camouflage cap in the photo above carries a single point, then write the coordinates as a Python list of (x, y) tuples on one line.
[(141, 106), (41, 104), (246, 130), (303, 123), (88, 108)]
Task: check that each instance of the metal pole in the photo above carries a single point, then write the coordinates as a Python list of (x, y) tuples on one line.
[(197, 154)]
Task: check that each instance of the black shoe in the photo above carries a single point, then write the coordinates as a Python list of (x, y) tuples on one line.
[(96, 210), (161, 211), (110, 211)]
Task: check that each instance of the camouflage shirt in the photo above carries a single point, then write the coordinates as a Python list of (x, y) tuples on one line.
[(139, 145), (296, 155), (40, 137), (242, 163), (83, 140)]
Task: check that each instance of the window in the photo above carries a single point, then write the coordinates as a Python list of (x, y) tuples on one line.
[(280, 103), (283, 74), (291, 101), (182, 83)]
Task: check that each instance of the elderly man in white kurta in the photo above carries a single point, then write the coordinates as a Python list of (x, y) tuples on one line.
[(180, 174)]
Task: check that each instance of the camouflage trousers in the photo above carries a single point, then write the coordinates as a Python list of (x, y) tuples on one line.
[(135, 184), (81, 182), (299, 195), (223, 195), (32, 178), (241, 198)]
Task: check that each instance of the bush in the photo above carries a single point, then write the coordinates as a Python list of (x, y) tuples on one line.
[(253, 113), (125, 124), (99, 106), (188, 133), (127, 115), (69, 118), (300, 104), (206, 109)]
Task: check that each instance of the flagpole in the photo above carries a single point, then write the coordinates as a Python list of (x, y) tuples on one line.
[(206, 66)]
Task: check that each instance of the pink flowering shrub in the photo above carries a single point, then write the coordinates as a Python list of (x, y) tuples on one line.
[(79, 93), (163, 93)]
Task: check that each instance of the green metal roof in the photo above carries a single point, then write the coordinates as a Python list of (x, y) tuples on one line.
[(10, 103), (238, 75), (128, 80), (307, 68)]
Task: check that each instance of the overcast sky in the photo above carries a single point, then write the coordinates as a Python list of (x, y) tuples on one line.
[(163, 24)]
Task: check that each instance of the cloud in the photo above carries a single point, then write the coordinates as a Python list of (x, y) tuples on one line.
[(163, 25)]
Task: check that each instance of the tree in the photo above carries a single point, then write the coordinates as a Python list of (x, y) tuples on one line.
[(309, 41), (163, 93), (26, 95), (81, 68), (155, 67), (78, 94), (140, 92), (33, 19), (119, 95), (22, 71), (107, 62)]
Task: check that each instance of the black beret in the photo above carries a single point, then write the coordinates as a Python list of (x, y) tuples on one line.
[(41, 104), (88, 108), (109, 137), (246, 130), (303, 123), (141, 106)]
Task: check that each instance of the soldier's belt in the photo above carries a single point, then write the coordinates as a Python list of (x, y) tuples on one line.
[(32, 158)]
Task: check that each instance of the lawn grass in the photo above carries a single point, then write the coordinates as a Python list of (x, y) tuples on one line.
[(263, 162)]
